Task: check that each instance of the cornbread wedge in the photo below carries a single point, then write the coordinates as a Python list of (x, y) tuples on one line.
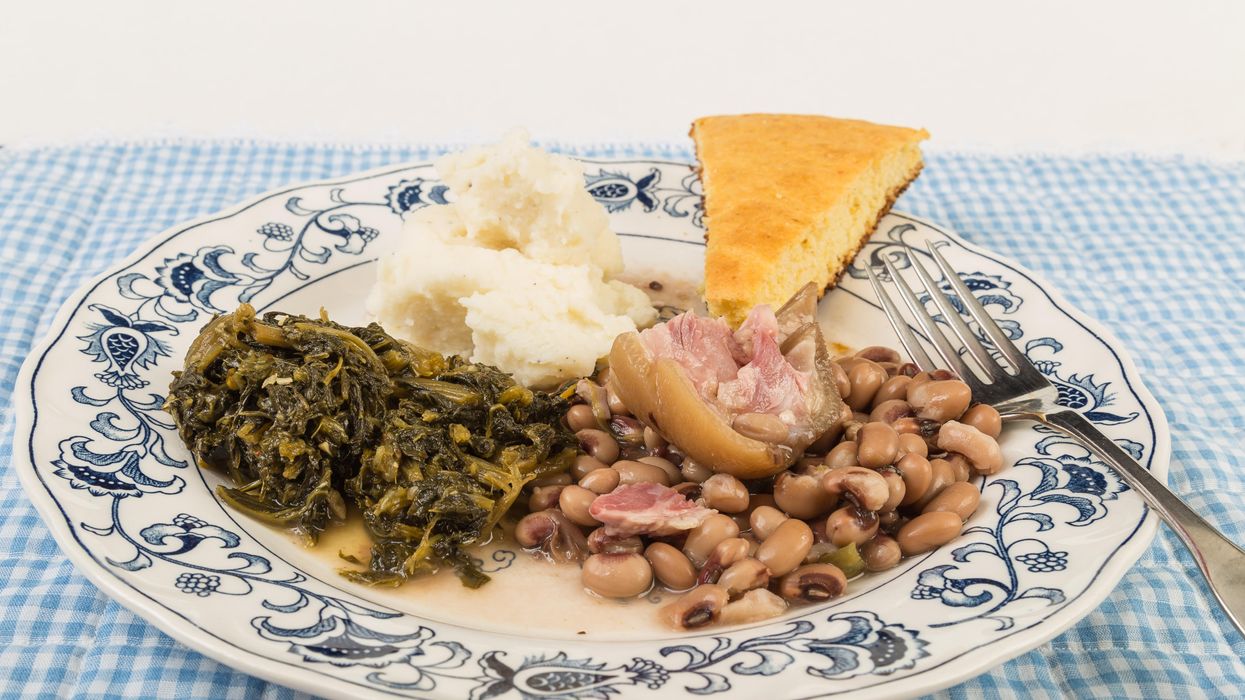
[(790, 199)]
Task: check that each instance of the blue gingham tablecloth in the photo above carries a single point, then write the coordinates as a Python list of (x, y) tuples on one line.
[(1154, 248)]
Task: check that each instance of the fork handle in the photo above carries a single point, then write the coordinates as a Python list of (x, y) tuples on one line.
[(1221, 561)]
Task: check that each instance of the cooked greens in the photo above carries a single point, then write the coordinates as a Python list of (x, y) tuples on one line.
[(303, 414)]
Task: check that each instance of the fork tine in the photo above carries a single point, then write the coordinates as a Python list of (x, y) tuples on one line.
[(948, 354), (952, 315), (979, 314), (907, 338)]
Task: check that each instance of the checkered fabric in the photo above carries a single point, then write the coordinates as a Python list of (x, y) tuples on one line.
[(1154, 248)]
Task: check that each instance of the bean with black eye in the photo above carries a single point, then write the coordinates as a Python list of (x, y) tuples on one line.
[(960, 466), (851, 525), (765, 520), (892, 389), (924, 428), (744, 575), (960, 498), (617, 575), (841, 382), (914, 444), (633, 472), (879, 353), (898, 489), (672, 472), (544, 497), (580, 417), (813, 583), (940, 400), (866, 378), (890, 411), (725, 493), (653, 440), (598, 444), (600, 481), (628, 431), (702, 539), (917, 475), (600, 541), (867, 488), (692, 470), (844, 454), (878, 444), (698, 607), (980, 449), (786, 547), (928, 531), (880, 553), (757, 604), (985, 418), (801, 495), (585, 465), (616, 405), (942, 475), (575, 501), (672, 568)]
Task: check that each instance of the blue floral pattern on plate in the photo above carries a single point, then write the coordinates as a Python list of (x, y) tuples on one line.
[(1011, 565)]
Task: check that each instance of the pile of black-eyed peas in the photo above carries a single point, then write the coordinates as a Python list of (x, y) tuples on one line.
[(891, 481)]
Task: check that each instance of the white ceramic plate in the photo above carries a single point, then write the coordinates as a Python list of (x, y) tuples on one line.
[(101, 462)]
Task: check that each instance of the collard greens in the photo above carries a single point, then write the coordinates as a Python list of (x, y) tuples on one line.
[(304, 415)]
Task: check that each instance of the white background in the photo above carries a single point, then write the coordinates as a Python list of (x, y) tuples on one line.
[(1133, 75)]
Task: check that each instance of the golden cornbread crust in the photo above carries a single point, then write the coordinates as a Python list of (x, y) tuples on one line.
[(791, 199)]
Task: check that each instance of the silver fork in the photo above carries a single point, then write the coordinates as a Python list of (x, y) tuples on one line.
[(1020, 392)]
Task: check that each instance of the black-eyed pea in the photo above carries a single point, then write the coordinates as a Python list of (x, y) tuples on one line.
[(940, 400), (880, 553), (960, 498), (600, 481), (894, 388), (786, 547), (575, 501), (635, 472), (580, 417), (552, 480), (585, 464), (813, 583), (878, 444), (985, 418), (698, 607), (671, 567), (917, 474), (867, 487), (960, 465), (692, 470), (725, 493), (673, 474), (653, 440), (801, 495), (942, 475), (879, 353), (866, 378), (702, 539), (844, 454), (598, 444), (544, 498), (753, 606), (841, 382), (601, 542), (764, 520), (980, 449), (617, 575), (895, 484), (891, 410), (851, 525), (744, 575), (928, 531), (912, 444)]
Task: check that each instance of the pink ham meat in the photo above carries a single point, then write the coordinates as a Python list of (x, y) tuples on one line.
[(704, 347), (768, 383), (646, 509)]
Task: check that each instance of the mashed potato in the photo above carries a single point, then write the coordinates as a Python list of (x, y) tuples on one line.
[(516, 272)]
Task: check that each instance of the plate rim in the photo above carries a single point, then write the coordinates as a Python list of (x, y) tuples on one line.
[(286, 674)]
